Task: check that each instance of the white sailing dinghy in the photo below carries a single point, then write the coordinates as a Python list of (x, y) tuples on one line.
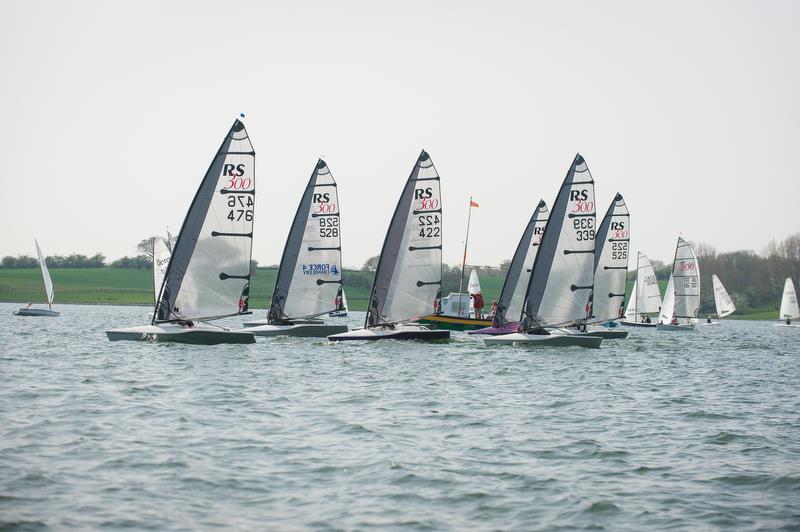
[(310, 273), (682, 297), (408, 280), (515, 285), (341, 305), (610, 271), (789, 309), (645, 296), (722, 301), (48, 290), (208, 275), (563, 272)]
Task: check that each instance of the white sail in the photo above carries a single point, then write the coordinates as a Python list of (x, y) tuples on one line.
[(48, 283), (789, 308), (668, 308), (563, 273), (160, 262), (310, 274), (611, 262), (408, 278), (686, 276), (209, 272), (722, 300), (474, 286), (648, 295), (630, 310)]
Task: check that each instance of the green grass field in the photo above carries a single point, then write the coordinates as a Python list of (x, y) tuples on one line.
[(109, 286)]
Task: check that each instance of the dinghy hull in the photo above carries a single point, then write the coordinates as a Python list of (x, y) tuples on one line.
[(304, 330), (637, 324), (603, 332), (399, 332), (453, 323), (545, 340), (36, 312), (338, 314), (199, 335), (506, 328), (679, 327)]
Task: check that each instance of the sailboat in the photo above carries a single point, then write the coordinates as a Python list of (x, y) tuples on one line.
[(515, 285), (340, 304), (610, 271), (408, 279), (310, 273), (722, 301), (645, 296), (161, 255), (48, 290), (682, 297), (789, 309), (563, 272), (208, 275)]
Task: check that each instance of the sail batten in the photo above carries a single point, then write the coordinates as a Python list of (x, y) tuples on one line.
[(409, 273), (209, 272), (310, 273), (562, 278)]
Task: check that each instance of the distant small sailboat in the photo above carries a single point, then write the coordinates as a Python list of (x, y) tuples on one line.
[(161, 254), (340, 303), (208, 275), (48, 289), (515, 285), (789, 308), (408, 279), (682, 297), (722, 301), (645, 300), (563, 272), (310, 273)]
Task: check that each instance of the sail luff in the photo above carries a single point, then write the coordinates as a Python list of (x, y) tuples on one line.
[(560, 296), (512, 294), (48, 282), (209, 273)]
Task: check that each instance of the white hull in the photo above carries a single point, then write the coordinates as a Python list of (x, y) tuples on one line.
[(679, 327), (36, 312), (398, 332), (638, 324), (608, 333), (201, 334), (310, 330), (554, 339), (338, 314), (789, 326), (706, 324)]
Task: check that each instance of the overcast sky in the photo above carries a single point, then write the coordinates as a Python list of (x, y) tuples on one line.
[(111, 112)]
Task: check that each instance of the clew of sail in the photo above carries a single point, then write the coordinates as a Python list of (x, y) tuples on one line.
[(408, 278), (208, 275), (160, 262), (512, 295), (686, 277), (611, 262), (789, 308), (563, 272), (310, 274), (722, 300), (668, 308), (48, 283)]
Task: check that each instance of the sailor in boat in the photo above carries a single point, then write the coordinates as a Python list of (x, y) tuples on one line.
[(647, 320), (477, 304), (31, 304), (674, 320), (788, 320), (644, 319), (437, 302), (492, 311), (338, 301), (708, 319)]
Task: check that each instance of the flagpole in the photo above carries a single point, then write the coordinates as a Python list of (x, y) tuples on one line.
[(464, 260)]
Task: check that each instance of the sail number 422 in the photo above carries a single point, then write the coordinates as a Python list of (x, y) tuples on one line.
[(428, 225)]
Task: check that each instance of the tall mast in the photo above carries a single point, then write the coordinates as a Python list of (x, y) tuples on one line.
[(464, 260)]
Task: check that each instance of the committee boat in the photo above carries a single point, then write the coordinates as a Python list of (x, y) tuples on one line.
[(682, 297), (789, 310), (458, 311), (408, 279), (310, 274), (645, 301), (208, 275), (30, 310), (557, 296), (515, 285)]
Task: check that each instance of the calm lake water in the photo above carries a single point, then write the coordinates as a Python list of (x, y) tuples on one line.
[(662, 430)]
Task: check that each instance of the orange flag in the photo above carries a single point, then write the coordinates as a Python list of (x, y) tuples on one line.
[(473, 204)]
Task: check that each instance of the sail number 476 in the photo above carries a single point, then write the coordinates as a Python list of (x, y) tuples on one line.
[(245, 210)]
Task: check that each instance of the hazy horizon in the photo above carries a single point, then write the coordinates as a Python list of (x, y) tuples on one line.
[(113, 112)]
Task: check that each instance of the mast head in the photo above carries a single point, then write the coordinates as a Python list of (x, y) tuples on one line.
[(618, 197), (321, 164), (424, 156)]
